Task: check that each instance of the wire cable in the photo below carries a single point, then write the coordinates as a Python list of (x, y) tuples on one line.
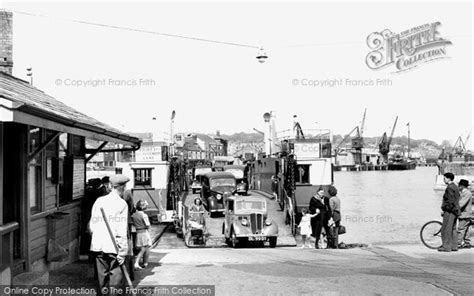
[(137, 30)]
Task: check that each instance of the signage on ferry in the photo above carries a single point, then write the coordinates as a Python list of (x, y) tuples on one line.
[(307, 150), (149, 153)]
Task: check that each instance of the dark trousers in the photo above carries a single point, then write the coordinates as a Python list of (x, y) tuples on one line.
[(109, 272), (336, 217), (449, 234), (463, 232), (317, 224)]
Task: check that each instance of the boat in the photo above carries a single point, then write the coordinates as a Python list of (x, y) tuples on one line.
[(462, 167), (400, 163), (458, 161)]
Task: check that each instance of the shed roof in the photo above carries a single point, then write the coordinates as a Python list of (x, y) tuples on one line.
[(33, 101)]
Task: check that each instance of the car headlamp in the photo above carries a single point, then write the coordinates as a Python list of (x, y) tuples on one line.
[(245, 222), (268, 222), (219, 196)]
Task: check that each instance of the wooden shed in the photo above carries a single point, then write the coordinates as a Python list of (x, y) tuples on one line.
[(43, 159)]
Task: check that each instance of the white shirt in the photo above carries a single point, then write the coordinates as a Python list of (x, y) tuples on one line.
[(116, 211)]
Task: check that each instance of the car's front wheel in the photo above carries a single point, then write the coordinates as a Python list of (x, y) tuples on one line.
[(233, 240), (273, 242)]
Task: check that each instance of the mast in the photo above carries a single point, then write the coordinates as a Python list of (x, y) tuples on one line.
[(408, 124)]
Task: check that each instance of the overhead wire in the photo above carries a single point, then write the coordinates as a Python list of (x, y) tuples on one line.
[(130, 29), (123, 28)]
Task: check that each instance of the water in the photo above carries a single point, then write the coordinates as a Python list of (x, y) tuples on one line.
[(387, 207)]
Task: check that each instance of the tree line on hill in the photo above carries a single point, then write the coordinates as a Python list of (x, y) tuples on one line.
[(243, 137)]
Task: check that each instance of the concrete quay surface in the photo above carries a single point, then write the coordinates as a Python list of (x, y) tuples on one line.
[(393, 269), (375, 270)]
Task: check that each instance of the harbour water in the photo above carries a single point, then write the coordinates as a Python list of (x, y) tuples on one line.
[(387, 207)]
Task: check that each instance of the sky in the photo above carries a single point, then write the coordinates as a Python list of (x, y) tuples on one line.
[(125, 78)]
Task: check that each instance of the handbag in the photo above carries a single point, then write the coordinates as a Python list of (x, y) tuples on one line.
[(341, 229)]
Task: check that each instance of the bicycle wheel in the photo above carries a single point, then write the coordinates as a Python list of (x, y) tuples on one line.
[(430, 234)]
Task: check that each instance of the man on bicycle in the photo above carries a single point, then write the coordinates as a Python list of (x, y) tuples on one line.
[(465, 203)]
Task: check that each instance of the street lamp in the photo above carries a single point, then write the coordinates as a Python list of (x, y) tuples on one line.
[(29, 73), (173, 114), (262, 56), (266, 117)]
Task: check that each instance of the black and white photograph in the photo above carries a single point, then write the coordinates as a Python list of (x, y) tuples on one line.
[(182, 148)]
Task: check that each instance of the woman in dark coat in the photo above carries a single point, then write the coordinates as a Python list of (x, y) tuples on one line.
[(317, 204)]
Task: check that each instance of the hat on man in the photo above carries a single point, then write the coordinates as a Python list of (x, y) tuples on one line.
[(105, 180), (118, 180), (464, 182)]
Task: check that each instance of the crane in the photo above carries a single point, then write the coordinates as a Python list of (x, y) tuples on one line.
[(297, 127), (384, 144), (336, 150), (358, 141), (362, 125), (459, 147)]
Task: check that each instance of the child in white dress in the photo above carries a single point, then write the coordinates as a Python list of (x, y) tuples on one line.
[(305, 225)]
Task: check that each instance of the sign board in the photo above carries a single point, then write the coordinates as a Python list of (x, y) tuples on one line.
[(149, 153), (307, 150), (78, 175)]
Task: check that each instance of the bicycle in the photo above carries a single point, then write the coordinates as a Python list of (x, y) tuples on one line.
[(430, 233)]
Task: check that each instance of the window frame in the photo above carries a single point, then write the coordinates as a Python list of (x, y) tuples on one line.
[(148, 184), (39, 172), (300, 180)]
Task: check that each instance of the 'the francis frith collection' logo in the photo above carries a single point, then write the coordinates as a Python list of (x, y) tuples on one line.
[(407, 49)]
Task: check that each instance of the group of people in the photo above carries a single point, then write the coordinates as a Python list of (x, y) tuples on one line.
[(119, 230), (323, 212), (456, 211)]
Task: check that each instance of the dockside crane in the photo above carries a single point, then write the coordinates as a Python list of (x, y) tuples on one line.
[(384, 144), (459, 147), (358, 141), (338, 146)]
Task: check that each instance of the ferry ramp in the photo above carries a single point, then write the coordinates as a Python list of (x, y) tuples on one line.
[(216, 239)]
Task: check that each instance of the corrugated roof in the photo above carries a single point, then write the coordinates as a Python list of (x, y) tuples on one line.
[(20, 91), (191, 146), (206, 138)]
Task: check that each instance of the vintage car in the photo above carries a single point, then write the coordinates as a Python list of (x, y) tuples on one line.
[(198, 172), (215, 186), (240, 173), (246, 221), (196, 186)]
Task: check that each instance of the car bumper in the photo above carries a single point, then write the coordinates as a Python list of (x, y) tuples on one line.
[(216, 210)]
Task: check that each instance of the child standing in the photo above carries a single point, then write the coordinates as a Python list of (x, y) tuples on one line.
[(305, 225), (143, 241)]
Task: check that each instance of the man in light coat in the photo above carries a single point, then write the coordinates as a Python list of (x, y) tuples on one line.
[(108, 260), (465, 204)]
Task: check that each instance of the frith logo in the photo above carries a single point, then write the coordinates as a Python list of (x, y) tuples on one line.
[(407, 49)]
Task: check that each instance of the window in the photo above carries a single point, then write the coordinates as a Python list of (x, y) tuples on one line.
[(35, 170), (64, 194), (302, 173), (326, 150), (142, 177)]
